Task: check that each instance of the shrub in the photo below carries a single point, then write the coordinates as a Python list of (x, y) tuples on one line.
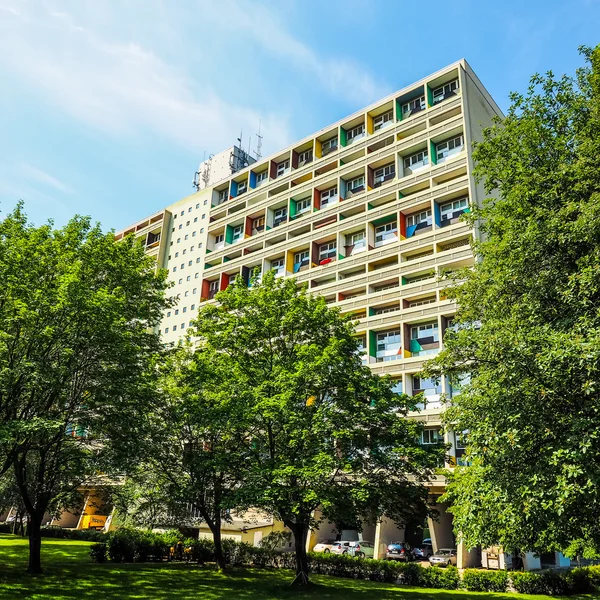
[(594, 575), (203, 550), (580, 581), (98, 552), (85, 535), (552, 583), (438, 578), (122, 545), (475, 580)]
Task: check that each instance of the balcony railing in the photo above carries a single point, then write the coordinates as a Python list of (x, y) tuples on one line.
[(386, 238), (381, 180)]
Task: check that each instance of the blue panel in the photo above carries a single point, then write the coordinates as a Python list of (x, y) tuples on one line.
[(410, 230), (252, 179), (233, 189), (437, 214)]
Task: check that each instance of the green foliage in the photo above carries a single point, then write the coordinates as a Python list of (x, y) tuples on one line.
[(446, 578), (87, 535), (315, 428), (98, 552), (528, 328), (477, 580), (77, 350)]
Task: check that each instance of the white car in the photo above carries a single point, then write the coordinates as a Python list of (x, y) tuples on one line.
[(444, 557), (324, 546), (340, 547)]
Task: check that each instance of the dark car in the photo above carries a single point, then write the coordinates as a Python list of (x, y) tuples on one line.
[(399, 551), (423, 551)]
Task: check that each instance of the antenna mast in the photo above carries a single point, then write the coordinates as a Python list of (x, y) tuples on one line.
[(259, 142)]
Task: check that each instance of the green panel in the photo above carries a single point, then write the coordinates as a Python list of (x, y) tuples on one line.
[(225, 259), (429, 96), (343, 137), (400, 195), (432, 154), (369, 206), (229, 234), (371, 312), (372, 343), (415, 346), (341, 257), (292, 208), (384, 220), (398, 110), (403, 280), (207, 265), (342, 216)]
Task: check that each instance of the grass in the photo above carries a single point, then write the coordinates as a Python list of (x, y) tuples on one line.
[(70, 573)]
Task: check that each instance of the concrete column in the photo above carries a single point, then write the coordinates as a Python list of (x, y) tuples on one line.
[(441, 530), (466, 557), (326, 531), (531, 562), (386, 532)]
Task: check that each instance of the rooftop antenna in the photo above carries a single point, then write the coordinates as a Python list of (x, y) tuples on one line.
[(259, 142)]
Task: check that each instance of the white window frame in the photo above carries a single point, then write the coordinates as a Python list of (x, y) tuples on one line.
[(219, 239), (387, 345), (422, 330), (355, 133), (280, 215), (449, 148), (355, 183), (439, 93), (305, 157), (447, 209), (256, 224), (382, 121), (302, 206), (413, 105), (300, 257), (223, 194), (387, 233), (242, 187), (237, 233), (283, 167), (278, 264), (329, 145), (429, 437), (423, 216), (329, 196), (381, 173), (326, 249), (262, 177), (422, 302), (418, 160)]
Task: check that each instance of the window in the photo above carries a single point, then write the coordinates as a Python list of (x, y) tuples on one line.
[(223, 195), (421, 302), (176, 311), (187, 224), (193, 306), (193, 234), (417, 160), (198, 259), (174, 269), (383, 120), (204, 216), (355, 133), (182, 266), (258, 224), (327, 251), (357, 242), (451, 210), (385, 234), (261, 177), (445, 91), (383, 174), (174, 327), (195, 291), (329, 146), (426, 331), (419, 220), (190, 263), (413, 106), (387, 309), (242, 187), (213, 288), (448, 148), (283, 167), (328, 196), (301, 259), (178, 240), (238, 230), (196, 275), (278, 264), (185, 307), (428, 386), (166, 330), (182, 212), (219, 239), (398, 388), (416, 278), (389, 345), (176, 254), (198, 205), (205, 203), (305, 157), (180, 281), (280, 216), (186, 236), (191, 248), (356, 185), (195, 219), (302, 206), (180, 225), (431, 436), (183, 326), (188, 278)]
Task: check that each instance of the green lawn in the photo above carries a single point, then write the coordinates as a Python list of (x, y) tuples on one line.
[(70, 573)]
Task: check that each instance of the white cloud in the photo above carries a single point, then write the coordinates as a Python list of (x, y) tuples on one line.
[(45, 178), (120, 88)]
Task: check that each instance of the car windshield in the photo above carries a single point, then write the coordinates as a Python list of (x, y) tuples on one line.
[(327, 542), (444, 552)]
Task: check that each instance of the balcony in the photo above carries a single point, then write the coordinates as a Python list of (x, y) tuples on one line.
[(356, 248), (388, 237), (379, 180)]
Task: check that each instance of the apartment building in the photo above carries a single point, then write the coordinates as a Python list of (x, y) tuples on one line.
[(365, 212)]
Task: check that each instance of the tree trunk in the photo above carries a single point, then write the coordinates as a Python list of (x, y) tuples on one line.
[(34, 525), (300, 531), (219, 556)]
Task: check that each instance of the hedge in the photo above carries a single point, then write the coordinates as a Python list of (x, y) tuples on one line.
[(132, 545)]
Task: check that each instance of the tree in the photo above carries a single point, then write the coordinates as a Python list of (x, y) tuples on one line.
[(193, 438), (322, 432), (77, 350), (528, 326)]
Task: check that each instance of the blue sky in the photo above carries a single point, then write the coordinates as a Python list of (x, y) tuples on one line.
[(107, 107)]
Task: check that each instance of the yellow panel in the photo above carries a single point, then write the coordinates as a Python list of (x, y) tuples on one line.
[(370, 124), (318, 149)]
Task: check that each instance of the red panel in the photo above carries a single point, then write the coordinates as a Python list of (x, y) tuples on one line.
[(317, 199), (273, 170), (224, 281), (402, 226), (248, 226), (205, 284), (294, 159), (370, 178)]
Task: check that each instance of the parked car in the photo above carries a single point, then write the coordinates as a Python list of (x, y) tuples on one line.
[(340, 547), (399, 551), (444, 557), (427, 541), (423, 551), (361, 548), (324, 546)]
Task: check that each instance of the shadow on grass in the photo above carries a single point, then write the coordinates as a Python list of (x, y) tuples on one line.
[(70, 573)]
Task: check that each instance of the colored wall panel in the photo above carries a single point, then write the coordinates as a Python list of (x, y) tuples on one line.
[(343, 137), (436, 214), (432, 153), (233, 188), (252, 181)]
